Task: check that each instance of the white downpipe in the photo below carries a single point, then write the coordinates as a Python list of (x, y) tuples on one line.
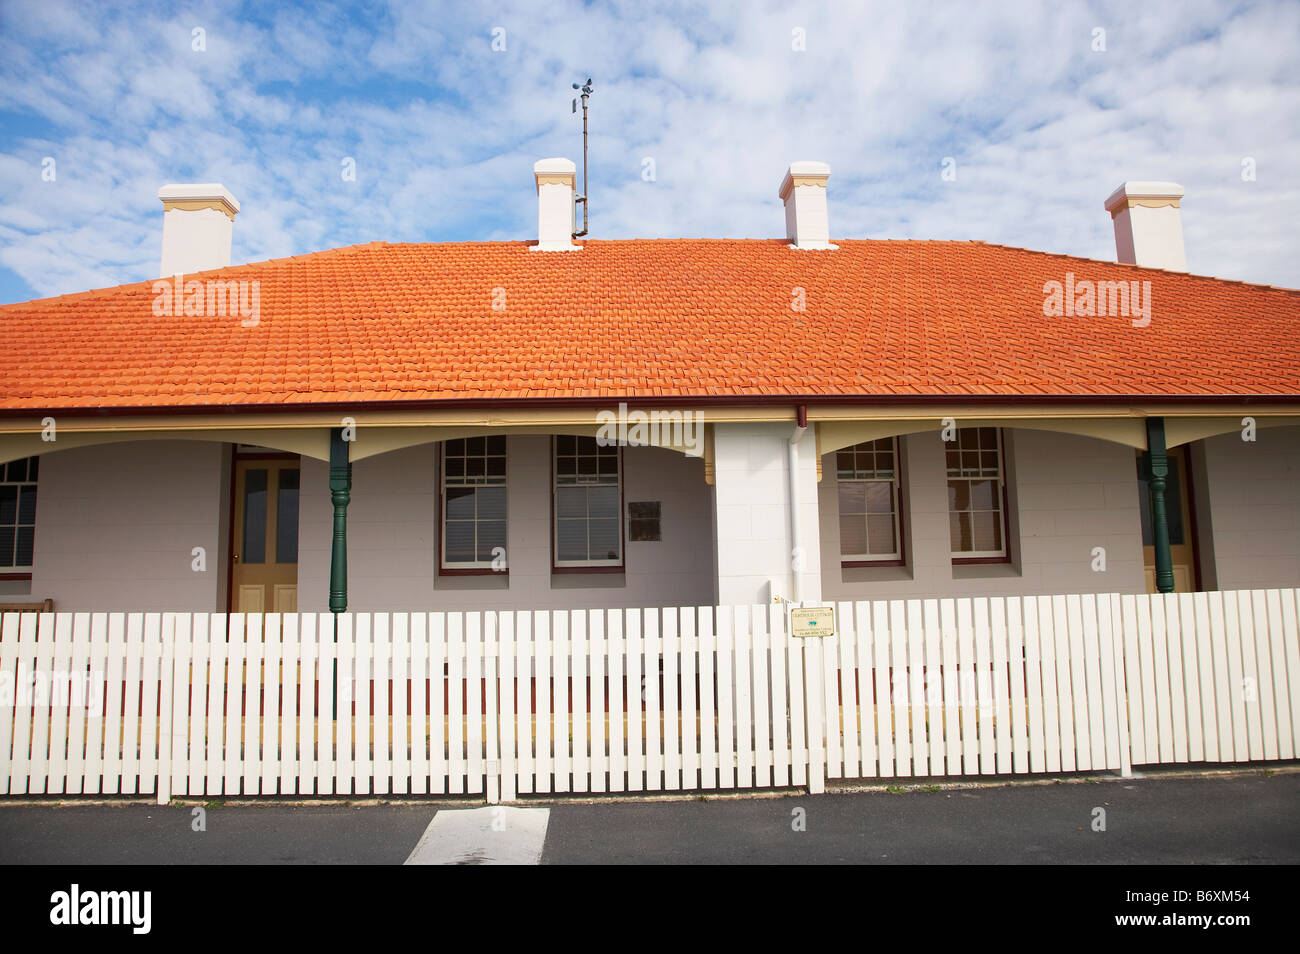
[(792, 451)]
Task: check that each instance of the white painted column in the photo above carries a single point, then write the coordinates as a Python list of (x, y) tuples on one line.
[(755, 552)]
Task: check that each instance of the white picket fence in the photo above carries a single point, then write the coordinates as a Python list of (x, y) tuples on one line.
[(503, 704)]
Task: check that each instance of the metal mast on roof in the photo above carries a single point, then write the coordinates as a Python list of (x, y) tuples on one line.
[(586, 92)]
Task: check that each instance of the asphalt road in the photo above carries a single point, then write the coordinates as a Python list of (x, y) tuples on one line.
[(1246, 818)]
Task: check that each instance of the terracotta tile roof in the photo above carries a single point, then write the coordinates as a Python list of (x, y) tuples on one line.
[(650, 319)]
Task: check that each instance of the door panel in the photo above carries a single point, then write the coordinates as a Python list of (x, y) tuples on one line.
[(264, 575), (1182, 545)]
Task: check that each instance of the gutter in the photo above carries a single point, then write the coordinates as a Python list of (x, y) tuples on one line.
[(667, 400)]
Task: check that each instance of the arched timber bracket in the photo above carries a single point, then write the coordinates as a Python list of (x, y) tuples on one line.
[(307, 441), (834, 435), (383, 439), (1184, 430)]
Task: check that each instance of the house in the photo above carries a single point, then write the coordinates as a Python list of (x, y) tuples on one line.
[(556, 423)]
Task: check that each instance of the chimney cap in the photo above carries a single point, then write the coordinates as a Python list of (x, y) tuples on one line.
[(556, 166), (212, 193), (1128, 191), (803, 169)]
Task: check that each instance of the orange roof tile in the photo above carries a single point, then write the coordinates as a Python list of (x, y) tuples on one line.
[(665, 319)]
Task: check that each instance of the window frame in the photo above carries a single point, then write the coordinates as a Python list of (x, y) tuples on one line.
[(21, 572), (476, 567), (899, 557), (975, 557), (586, 566)]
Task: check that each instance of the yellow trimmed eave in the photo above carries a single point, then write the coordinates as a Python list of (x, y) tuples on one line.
[(836, 426)]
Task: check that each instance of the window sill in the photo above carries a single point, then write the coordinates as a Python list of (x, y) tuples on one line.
[(892, 572), (985, 570), (475, 579), (581, 578)]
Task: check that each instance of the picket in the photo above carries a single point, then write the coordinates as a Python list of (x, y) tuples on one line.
[(151, 705), (402, 697), (439, 769), (1191, 683), (599, 731), (744, 699), (61, 701), (671, 657), (326, 725), (616, 649), (1177, 696), (1283, 693), (297, 743), (252, 688), (509, 724), (708, 702), (865, 688), (271, 686), (726, 674), (420, 721), (690, 711), (9, 672), (346, 735), (1257, 687), (210, 638), (632, 662), (1290, 635), (83, 692), (845, 644), (1236, 682), (362, 698), (1034, 686), (898, 688), (541, 626), (1268, 685), (381, 681), (1001, 681), (498, 705), (778, 643), (42, 704), (1111, 724), (490, 718), (653, 649), (287, 704), (1160, 673), (883, 698), (456, 705), (915, 629), (578, 706)]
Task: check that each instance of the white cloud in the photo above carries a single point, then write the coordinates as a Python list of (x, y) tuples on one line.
[(444, 130)]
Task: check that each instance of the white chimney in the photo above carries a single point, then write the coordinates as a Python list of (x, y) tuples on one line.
[(198, 221), (556, 179), (804, 192), (1148, 225)]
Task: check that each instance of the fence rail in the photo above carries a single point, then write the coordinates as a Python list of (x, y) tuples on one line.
[(503, 704)]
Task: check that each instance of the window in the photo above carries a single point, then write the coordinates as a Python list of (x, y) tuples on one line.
[(976, 516), (869, 502), (18, 512), (474, 502), (588, 503)]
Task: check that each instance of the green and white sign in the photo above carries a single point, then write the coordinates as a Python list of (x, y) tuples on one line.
[(812, 621)]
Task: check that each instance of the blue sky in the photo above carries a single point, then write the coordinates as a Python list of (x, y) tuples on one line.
[(444, 128)]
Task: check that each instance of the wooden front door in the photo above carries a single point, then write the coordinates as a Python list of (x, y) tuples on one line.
[(1182, 545), (264, 564)]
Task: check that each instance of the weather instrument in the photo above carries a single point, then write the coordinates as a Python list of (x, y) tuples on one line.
[(585, 91)]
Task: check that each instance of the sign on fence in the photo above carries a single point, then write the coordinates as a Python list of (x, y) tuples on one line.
[(812, 621)]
